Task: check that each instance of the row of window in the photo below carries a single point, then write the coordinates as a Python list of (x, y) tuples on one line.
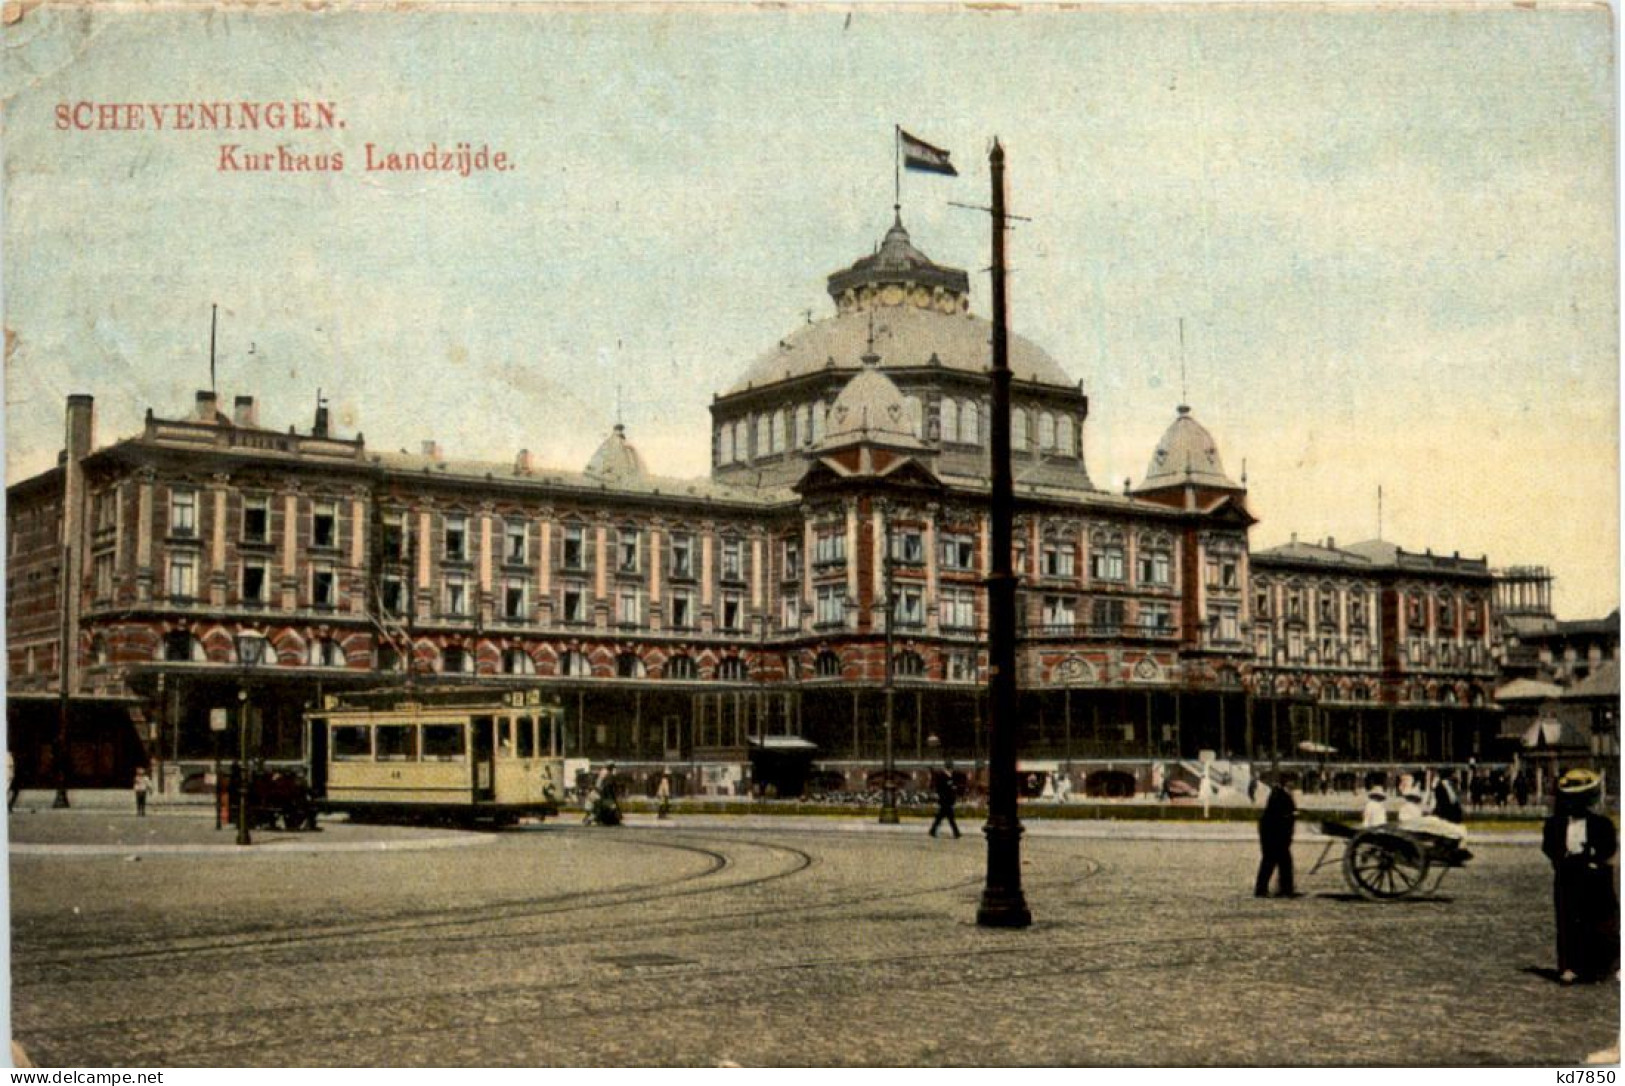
[(1296, 599)]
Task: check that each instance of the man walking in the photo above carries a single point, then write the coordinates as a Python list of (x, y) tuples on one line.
[(943, 780)]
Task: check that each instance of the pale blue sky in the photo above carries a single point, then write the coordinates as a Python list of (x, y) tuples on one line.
[(1390, 233)]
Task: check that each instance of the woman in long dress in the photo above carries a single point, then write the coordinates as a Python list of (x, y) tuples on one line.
[(1581, 845)]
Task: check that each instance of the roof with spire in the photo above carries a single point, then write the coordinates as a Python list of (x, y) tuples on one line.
[(870, 408), (920, 319), (1186, 454)]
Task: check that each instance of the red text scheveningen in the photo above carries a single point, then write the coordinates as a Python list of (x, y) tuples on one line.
[(84, 116)]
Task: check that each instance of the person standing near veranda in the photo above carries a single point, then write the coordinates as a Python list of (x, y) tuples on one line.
[(140, 787), (943, 779)]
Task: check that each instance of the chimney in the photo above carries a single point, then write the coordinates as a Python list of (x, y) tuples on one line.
[(320, 427), (1331, 543), (243, 413), (431, 449), (522, 464), (205, 405), (81, 425)]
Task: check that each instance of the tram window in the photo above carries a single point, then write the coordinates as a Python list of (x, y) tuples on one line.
[(443, 742), (351, 742), (527, 737), (397, 743), (505, 736)]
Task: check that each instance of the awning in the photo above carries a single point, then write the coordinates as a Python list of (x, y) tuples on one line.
[(1528, 690), (1316, 748), (1551, 732), (783, 744)]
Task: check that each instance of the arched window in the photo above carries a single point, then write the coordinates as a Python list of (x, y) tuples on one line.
[(1046, 431), (731, 669), (180, 647), (325, 652), (949, 412), (970, 423), (575, 665), (681, 667), (725, 444), (780, 426), (1018, 429), (764, 436), (1065, 442), (517, 662), (914, 415), (629, 666), (803, 434), (817, 430), (828, 665), (98, 650), (741, 440), (457, 660), (908, 665), (389, 658)]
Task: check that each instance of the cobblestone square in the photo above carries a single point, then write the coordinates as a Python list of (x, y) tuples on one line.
[(708, 941)]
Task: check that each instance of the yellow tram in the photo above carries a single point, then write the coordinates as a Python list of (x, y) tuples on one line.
[(457, 754)]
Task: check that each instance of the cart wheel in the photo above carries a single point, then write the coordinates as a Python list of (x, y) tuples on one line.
[(1383, 866)]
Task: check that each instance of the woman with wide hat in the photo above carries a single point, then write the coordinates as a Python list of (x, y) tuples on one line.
[(1581, 845)]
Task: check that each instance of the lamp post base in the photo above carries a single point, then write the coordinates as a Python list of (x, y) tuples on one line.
[(888, 815), (1003, 904), (61, 799)]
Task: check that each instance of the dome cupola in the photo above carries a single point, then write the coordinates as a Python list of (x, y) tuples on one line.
[(616, 459), (1186, 455)]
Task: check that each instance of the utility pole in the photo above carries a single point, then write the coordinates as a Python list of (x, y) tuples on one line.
[(1003, 904), (888, 807)]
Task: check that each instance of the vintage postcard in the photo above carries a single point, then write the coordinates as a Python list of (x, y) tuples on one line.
[(811, 535)]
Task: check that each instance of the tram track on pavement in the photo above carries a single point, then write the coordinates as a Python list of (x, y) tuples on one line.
[(426, 920)]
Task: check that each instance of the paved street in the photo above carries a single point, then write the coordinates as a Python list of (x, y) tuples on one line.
[(758, 942)]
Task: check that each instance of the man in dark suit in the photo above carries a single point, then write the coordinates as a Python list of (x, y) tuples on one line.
[(943, 780), (1275, 829), (1580, 843)]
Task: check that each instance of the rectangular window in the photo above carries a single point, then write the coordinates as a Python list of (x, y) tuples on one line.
[(628, 548), (908, 546), (682, 610), (958, 552), (1106, 563), (1060, 613), (513, 601), (1058, 560), (183, 576), (397, 742), (324, 525), (733, 611), (253, 582), (575, 603), (456, 597), (1229, 572), (831, 605), (628, 607), (1156, 567), (829, 548), (443, 742), (393, 543), (183, 512), (1261, 603), (256, 520), (958, 609), (792, 559), (682, 554), (961, 667), (352, 742), (1225, 626), (515, 549), (456, 537), (1328, 609), (789, 613), (526, 727), (104, 513), (1157, 618), (390, 595), (733, 560), (1108, 616), (910, 607), (323, 591), (575, 546)]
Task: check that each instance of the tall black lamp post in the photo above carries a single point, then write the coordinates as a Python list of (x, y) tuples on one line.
[(250, 649)]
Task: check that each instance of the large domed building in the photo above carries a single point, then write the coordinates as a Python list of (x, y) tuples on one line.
[(831, 569)]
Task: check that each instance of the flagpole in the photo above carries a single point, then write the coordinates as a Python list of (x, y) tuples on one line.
[(214, 318), (897, 169)]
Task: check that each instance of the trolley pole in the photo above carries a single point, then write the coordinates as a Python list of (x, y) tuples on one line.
[(1003, 904), (888, 809)]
